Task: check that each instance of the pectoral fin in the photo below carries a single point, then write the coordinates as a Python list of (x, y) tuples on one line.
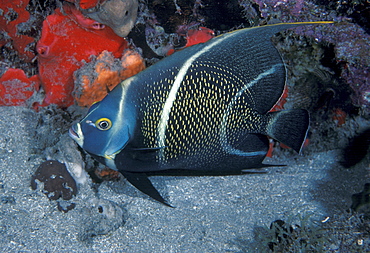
[(143, 184), (144, 154)]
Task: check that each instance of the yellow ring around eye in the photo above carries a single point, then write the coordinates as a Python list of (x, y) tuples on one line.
[(103, 124)]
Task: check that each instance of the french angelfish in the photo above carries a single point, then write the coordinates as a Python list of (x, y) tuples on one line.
[(204, 108)]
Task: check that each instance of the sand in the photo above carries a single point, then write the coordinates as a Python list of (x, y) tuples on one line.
[(211, 214)]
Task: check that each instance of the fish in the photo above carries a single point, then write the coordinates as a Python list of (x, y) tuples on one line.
[(204, 108)]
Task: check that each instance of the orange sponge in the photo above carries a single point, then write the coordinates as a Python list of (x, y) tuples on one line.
[(94, 79)]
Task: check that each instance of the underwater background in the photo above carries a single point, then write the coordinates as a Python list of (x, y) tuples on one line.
[(59, 57)]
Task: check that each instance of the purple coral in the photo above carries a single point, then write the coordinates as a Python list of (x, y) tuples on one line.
[(358, 78), (350, 41), (351, 47), (268, 7)]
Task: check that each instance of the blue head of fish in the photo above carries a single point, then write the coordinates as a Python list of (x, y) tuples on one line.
[(107, 127)]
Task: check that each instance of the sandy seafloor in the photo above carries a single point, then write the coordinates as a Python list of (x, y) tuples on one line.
[(212, 214)]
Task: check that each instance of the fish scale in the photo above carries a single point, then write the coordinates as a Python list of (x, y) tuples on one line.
[(192, 138), (199, 132), (204, 108)]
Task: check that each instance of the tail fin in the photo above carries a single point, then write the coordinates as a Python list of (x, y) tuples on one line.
[(289, 127)]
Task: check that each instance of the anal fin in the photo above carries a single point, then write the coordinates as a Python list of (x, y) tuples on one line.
[(143, 184)]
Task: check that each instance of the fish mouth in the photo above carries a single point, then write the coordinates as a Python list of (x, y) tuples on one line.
[(73, 133), (76, 134)]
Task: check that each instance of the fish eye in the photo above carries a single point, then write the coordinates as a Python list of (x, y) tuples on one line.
[(103, 124)]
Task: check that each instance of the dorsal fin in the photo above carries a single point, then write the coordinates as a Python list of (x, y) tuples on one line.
[(268, 81), (256, 66)]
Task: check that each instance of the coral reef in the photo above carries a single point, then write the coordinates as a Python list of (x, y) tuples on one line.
[(164, 26), (200, 35), (66, 42), (295, 238), (357, 10), (16, 88), (168, 24), (328, 74), (345, 232), (195, 36), (96, 77), (12, 15), (328, 65), (350, 48), (87, 4), (268, 8), (350, 41), (120, 15)]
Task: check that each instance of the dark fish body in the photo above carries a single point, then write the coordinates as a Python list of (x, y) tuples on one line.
[(203, 108)]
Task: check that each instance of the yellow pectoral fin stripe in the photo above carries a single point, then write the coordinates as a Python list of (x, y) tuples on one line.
[(109, 161), (113, 155), (110, 157)]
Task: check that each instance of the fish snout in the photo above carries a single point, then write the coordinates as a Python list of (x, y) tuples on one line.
[(73, 133), (76, 134)]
